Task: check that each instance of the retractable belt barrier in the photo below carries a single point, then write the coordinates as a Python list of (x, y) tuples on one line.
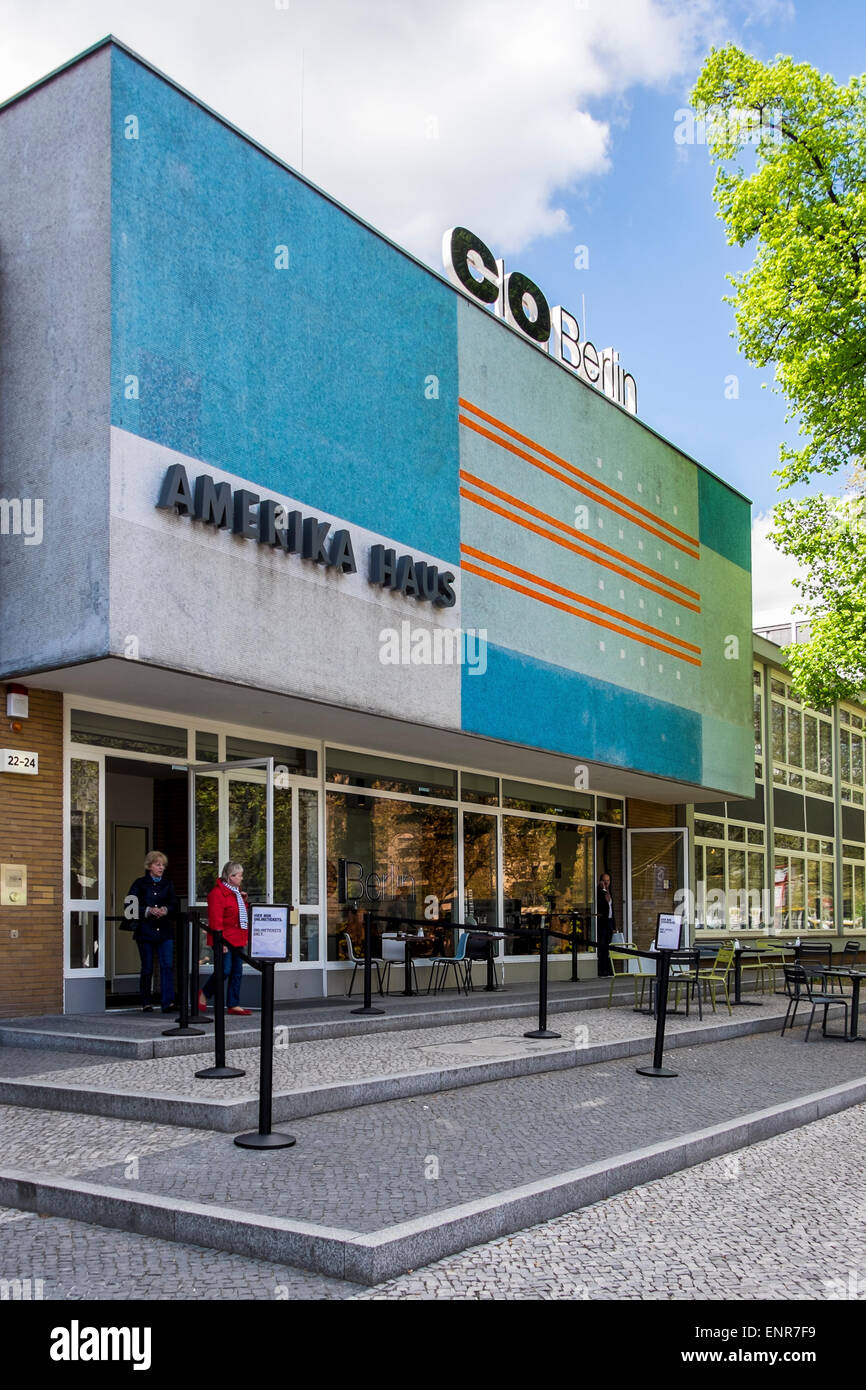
[(574, 917), (662, 960), (367, 1006), (182, 935), (264, 1137), (219, 1070)]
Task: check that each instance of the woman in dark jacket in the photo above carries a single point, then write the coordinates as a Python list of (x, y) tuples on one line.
[(154, 931)]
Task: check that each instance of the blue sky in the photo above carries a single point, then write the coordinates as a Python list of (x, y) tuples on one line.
[(542, 125), (658, 259)]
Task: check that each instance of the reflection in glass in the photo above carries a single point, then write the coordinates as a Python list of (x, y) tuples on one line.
[(479, 869), (83, 940), (308, 845), (207, 866), (309, 936), (84, 829), (248, 838), (400, 861), (547, 868)]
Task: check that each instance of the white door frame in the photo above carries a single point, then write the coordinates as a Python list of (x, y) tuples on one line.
[(659, 830)]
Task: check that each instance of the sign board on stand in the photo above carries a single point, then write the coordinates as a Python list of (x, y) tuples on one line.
[(668, 932), (269, 931)]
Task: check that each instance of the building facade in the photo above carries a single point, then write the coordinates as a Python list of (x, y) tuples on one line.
[(792, 858), (314, 560)]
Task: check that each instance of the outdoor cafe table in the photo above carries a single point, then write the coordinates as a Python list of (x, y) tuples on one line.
[(410, 939), (841, 972), (491, 984), (760, 952)]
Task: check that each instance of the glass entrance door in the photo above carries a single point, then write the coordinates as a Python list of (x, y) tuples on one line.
[(236, 813), (658, 881)]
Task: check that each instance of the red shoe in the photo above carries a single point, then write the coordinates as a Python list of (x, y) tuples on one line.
[(202, 1002), (238, 1010)]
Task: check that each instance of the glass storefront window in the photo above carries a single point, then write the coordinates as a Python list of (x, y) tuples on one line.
[(207, 866), (308, 845), (757, 714), (547, 801), (398, 859), (547, 867), (795, 739), (852, 897), (84, 940), (484, 791), (479, 869), (828, 916), (134, 735), (83, 829), (714, 868), (389, 774), (206, 747), (299, 762), (609, 810), (247, 837), (309, 936)]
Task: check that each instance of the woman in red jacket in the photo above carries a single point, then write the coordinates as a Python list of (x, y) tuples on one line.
[(228, 911)]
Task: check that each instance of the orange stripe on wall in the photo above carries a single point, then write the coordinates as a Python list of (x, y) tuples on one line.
[(595, 482), (578, 487), (569, 608), (578, 550), (580, 598), (573, 531)]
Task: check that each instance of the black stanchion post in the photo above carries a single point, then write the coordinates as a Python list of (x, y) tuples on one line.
[(195, 977), (219, 1068), (663, 968), (368, 969), (195, 1012), (542, 1030), (574, 929), (491, 968), (183, 1029), (264, 1137)]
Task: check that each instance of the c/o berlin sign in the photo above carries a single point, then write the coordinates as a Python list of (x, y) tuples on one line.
[(471, 266)]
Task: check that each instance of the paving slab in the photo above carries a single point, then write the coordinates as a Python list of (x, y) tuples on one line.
[(130, 1033), (725, 1229), (335, 1073), (395, 1185)]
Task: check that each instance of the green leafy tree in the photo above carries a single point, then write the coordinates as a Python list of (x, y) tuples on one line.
[(790, 151)]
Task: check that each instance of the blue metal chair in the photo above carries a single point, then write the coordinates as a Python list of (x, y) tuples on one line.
[(440, 964)]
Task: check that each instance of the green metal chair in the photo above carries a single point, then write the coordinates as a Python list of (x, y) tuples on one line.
[(718, 974), (636, 975)]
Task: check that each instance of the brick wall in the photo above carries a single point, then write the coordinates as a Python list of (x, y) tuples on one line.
[(31, 833)]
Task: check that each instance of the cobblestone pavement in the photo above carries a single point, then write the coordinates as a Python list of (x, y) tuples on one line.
[(371, 1167), (784, 1219), (299, 1065)]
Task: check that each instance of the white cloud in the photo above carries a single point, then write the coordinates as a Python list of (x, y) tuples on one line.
[(415, 115), (773, 592)]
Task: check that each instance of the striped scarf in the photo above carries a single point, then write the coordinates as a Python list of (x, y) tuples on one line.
[(242, 907)]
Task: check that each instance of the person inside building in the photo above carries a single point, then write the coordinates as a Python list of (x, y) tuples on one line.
[(228, 911), (154, 929), (605, 924)]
